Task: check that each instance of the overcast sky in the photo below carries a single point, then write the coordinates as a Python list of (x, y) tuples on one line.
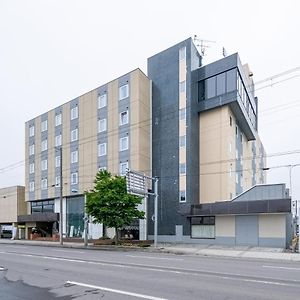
[(53, 51)]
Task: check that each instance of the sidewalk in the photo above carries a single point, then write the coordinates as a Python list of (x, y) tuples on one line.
[(179, 249)]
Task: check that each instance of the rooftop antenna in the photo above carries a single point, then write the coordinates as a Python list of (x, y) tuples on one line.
[(202, 44), (224, 52)]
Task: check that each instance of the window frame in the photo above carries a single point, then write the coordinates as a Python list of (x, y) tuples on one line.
[(58, 138), (102, 121), (74, 139), (44, 145), (31, 131), (44, 165), (105, 148), (181, 165), (31, 186), (58, 119), (100, 99), (126, 88), (44, 125), (121, 167), (73, 182), (31, 168), (74, 154), (57, 161), (121, 141), (44, 184), (180, 193), (120, 117), (74, 112), (31, 149)]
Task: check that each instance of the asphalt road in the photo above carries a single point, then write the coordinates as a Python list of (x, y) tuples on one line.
[(33, 272)]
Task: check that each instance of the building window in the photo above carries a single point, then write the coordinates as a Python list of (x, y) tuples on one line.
[(74, 135), (57, 161), (236, 130), (210, 87), (124, 117), (42, 206), (123, 143), (123, 168), (31, 130), (182, 53), (44, 125), (74, 178), (182, 87), (236, 177), (44, 184), (102, 100), (58, 120), (31, 149), (102, 149), (182, 168), (44, 145), (182, 195), (230, 121), (58, 140), (101, 125), (221, 84), (74, 113), (123, 91), (31, 168), (44, 165), (57, 181), (74, 157), (182, 114), (203, 227), (230, 147), (31, 186), (182, 141)]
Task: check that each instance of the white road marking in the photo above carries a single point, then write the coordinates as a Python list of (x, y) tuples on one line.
[(284, 268), (153, 257), (68, 251), (114, 291)]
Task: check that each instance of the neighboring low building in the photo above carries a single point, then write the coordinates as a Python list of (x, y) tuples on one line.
[(12, 204), (261, 216)]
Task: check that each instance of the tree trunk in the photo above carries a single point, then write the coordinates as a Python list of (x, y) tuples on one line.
[(116, 236), (104, 231)]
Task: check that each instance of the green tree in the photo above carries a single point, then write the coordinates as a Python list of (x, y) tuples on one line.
[(110, 204)]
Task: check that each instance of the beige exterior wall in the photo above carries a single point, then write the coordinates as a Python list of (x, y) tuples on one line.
[(225, 226), (87, 140), (216, 158), (66, 138), (26, 161), (51, 153), (272, 226), (37, 157), (140, 122), (12, 204), (113, 127)]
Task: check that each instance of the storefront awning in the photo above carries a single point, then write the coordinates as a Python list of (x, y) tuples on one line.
[(39, 217)]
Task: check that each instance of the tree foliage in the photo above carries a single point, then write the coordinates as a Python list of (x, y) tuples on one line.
[(110, 204)]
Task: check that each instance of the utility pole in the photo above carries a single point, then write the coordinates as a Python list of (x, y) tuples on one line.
[(61, 200), (155, 210), (86, 221)]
